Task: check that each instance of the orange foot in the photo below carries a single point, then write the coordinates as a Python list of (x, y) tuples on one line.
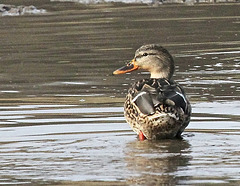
[(141, 136)]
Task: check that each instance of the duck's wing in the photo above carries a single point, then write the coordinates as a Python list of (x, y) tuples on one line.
[(145, 99), (174, 95), (151, 94)]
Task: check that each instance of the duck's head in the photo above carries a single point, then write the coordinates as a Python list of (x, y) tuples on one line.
[(153, 58)]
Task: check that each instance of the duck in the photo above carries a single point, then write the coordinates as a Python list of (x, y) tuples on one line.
[(155, 108)]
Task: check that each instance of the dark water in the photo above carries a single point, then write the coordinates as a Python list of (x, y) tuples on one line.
[(61, 113)]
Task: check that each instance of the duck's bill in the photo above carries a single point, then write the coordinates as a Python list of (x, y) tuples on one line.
[(128, 68)]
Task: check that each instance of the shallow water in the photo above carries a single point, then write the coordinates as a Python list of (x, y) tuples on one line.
[(61, 110)]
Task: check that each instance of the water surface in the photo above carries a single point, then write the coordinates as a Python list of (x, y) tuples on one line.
[(61, 110)]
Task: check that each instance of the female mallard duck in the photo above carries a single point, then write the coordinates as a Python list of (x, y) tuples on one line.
[(155, 108)]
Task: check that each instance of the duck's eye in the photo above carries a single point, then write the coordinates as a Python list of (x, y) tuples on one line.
[(145, 54)]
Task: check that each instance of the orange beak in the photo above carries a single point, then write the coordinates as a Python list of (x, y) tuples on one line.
[(128, 68)]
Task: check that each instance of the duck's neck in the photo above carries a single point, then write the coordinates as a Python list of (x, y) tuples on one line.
[(164, 75)]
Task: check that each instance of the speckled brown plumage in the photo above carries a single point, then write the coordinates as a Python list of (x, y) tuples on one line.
[(155, 108), (168, 120)]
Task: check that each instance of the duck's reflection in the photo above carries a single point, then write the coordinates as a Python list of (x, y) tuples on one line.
[(157, 162)]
